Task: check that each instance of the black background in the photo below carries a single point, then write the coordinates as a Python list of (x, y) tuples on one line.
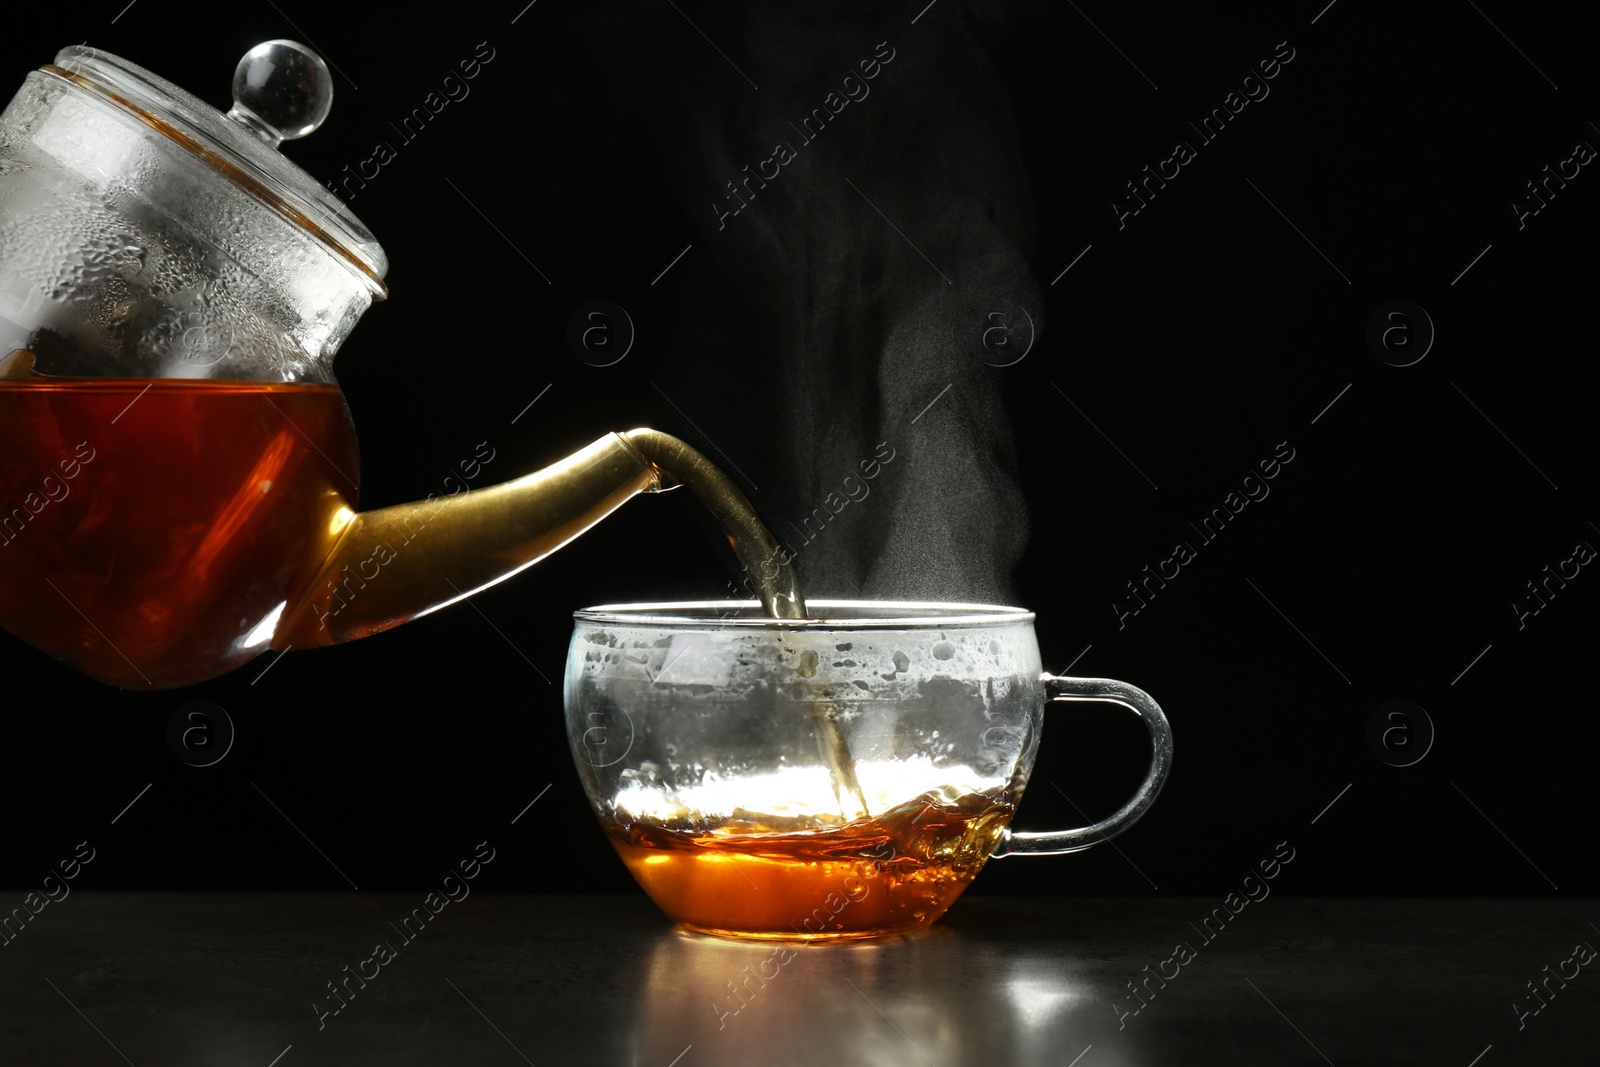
[(1197, 338)]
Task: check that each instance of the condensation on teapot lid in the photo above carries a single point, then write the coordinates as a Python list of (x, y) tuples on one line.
[(282, 91)]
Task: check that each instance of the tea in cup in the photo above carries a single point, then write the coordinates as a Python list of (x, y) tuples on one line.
[(709, 736)]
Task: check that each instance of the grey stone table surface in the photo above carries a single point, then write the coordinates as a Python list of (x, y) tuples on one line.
[(498, 979)]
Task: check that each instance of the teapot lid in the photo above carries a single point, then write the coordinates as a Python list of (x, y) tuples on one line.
[(282, 91)]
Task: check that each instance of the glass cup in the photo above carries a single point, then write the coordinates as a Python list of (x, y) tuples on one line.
[(844, 776)]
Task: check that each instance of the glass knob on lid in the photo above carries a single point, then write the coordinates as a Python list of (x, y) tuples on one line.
[(281, 91)]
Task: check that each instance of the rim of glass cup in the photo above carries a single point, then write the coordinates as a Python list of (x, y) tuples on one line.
[(828, 615)]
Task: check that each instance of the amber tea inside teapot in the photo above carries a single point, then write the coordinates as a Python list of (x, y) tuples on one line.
[(179, 477)]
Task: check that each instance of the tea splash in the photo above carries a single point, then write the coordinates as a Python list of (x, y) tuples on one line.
[(768, 877)]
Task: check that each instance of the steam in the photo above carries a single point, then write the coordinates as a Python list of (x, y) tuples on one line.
[(846, 330)]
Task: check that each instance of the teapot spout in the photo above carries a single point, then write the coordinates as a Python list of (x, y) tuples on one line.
[(396, 564)]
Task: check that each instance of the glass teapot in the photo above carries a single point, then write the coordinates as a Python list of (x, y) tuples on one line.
[(178, 481)]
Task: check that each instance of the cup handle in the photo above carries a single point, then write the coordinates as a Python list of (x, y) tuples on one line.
[(1107, 691)]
